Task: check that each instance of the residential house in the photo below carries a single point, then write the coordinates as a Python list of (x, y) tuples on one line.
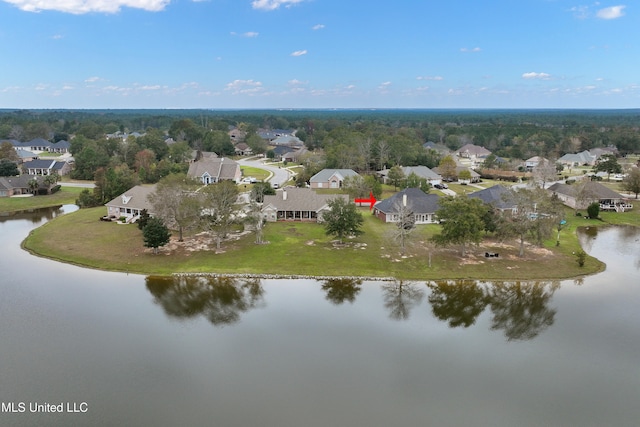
[(584, 158), (131, 203), (279, 151), (297, 204), (472, 154), (288, 140), (295, 155), (209, 170), (497, 196), (46, 167), (424, 172), (600, 151), (475, 176), (237, 135), (243, 149), (273, 134), (18, 185), (533, 162), (577, 196), (331, 178), (441, 149), (26, 155), (61, 146), (423, 206)]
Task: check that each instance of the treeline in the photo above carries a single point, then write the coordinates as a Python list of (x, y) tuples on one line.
[(362, 140)]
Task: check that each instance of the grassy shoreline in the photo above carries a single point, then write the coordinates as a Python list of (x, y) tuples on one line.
[(303, 250)]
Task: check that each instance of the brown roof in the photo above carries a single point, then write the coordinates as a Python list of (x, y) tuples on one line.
[(298, 199), (134, 198), (219, 167), (595, 189)]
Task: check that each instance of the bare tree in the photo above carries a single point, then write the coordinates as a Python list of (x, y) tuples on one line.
[(219, 208), (544, 173), (255, 220), (383, 152), (405, 224), (176, 203)]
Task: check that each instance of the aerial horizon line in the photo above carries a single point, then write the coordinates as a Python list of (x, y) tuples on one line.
[(5, 109)]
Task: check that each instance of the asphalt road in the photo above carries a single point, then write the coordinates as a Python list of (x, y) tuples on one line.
[(278, 175)]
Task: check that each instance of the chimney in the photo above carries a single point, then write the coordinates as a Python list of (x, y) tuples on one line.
[(404, 200), (284, 194)]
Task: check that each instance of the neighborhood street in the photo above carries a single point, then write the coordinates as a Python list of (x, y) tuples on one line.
[(278, 175)]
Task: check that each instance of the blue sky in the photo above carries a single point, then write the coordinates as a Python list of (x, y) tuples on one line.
[(319, 54)]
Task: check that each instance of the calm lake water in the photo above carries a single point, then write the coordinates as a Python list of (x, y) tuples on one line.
[(194, 351)]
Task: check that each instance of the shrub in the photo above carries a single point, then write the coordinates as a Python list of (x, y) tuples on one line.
[(581, 257), (87, 199), (593, 210)]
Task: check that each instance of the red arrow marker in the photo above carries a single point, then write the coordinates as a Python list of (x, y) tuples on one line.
[(371, 200)]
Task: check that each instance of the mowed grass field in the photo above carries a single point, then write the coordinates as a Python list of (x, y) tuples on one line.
[(296, 248), (66, 196)]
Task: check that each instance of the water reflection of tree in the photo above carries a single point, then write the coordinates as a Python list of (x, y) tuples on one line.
[(458, 302), (36, 216), (341, 289), (400, 298), (521, 309), (219, 299), (586, 237), (627, 241)]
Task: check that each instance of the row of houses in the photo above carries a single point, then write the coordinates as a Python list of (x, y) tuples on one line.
[(307, 205)]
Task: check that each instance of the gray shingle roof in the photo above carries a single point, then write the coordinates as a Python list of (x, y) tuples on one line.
[(43, 164), (325, 174), (495, 196), (419, 202), (592, 188)]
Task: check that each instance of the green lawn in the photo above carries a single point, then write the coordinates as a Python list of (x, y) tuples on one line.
[(66, 195), (257, 173), (304, 249)]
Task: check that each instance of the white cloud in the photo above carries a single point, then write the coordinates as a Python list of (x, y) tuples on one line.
[(273, 4), (246, 87), (150, 87), (436, 78), (612, 12), (92, 79), (248, 34), (299, 52), (296, 82), (384, 87), (78, 7), (472, 50), (536, 76), (57, 36), (580, 12), (318, 27)]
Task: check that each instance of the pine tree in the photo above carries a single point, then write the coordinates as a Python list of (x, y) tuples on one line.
[(155, 234)]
